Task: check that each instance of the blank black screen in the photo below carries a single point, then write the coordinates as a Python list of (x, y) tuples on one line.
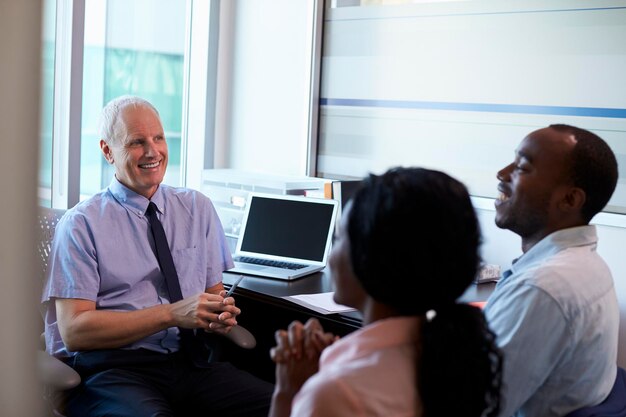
[(287, 228)]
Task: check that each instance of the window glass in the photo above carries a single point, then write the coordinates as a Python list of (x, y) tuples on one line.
[(132, 48), (47, 103), (457, 85)]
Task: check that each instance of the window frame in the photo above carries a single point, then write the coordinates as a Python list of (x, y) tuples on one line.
[(68, 91), (200, 60)]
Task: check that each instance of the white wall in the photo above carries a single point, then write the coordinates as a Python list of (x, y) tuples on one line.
[(19, 297), (265, 62)]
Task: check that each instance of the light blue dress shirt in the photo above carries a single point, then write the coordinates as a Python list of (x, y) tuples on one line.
[(103, 251), (556, 317)]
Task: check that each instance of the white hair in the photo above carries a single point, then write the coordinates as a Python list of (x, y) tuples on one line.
[(110, 126)]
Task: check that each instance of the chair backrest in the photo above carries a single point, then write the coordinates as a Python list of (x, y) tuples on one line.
[(54, 374), (48, 219), (613, 406)]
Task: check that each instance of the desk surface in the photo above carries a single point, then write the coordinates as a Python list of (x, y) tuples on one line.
[(322, 282), (271, 291), (264, 311)]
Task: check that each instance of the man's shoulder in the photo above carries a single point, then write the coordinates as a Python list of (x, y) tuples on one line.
[(566, 255), (186, 196), (573, 265), (567, 280), (102, 195), (91, 205), (96, 211), (170, 190), (562, 269)]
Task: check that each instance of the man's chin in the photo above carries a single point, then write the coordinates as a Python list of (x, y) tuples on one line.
[(153, 179), (500, 221)]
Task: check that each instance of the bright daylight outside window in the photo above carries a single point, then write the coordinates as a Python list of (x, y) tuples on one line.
[(47, 104), (131, 48)]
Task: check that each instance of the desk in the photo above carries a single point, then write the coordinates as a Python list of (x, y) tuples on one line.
[(263, 311)]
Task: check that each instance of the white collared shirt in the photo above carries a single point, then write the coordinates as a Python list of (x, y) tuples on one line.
[(556, 317)]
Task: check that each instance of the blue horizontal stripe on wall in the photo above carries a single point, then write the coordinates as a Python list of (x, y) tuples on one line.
[(424, 15), (481, 107)]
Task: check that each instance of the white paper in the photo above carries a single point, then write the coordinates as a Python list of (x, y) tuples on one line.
[(322, 303)]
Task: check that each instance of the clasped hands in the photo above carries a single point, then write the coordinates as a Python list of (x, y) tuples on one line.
[(211, 312), (297, 353)]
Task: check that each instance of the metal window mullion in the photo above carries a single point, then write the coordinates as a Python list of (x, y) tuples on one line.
[(68, 83), (198, 91), (316, 31)]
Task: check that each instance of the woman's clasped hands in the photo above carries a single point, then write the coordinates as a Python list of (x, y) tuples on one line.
[(297, 353)]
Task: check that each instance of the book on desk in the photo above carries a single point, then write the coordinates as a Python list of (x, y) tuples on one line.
[(342, 191)]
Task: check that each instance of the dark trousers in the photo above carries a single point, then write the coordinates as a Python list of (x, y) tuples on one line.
[(137, 383)]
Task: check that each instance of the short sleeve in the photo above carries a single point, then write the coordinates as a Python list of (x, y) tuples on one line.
[(73, 267)]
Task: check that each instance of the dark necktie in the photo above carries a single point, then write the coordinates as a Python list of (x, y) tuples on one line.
[(164, 256)]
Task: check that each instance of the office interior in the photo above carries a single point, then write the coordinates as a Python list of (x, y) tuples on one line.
[(279, 87)]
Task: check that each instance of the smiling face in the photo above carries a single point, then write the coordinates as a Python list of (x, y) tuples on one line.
[(534, 187), (141, 158)]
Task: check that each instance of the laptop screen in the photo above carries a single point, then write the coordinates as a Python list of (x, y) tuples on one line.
[(286, 226)]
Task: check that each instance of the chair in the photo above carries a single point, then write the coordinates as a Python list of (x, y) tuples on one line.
[(613, 406), (54, 374)]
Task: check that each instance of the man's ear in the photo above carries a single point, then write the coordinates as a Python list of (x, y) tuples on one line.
[(106, 151), (573, 200)]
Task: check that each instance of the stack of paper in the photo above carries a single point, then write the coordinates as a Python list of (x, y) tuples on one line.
[(322, 303), (488, 273)]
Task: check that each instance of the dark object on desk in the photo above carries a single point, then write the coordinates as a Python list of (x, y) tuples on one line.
[(488, 273), (257, 307), (343, 191), (283, 236), (613, 406)]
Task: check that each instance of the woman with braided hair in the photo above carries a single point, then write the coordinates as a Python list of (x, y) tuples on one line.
[(420, 352)]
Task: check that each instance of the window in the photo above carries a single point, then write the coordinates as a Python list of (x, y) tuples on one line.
[(47, 103), (192, 59), (95, 50), (132, 48), (456, 85)]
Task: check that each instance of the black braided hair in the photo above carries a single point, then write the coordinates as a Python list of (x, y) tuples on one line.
[(433, 211), (461, 366)]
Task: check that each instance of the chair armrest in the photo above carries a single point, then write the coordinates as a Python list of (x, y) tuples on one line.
[(54, 373), (241, 337)]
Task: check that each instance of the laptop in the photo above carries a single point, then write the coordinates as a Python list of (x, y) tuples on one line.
[(284, 236)]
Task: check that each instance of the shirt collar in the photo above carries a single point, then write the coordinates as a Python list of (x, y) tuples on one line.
[(133, 202), (553, 243)]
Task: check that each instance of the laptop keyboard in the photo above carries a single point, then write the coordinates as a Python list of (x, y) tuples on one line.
[(267, 262)]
